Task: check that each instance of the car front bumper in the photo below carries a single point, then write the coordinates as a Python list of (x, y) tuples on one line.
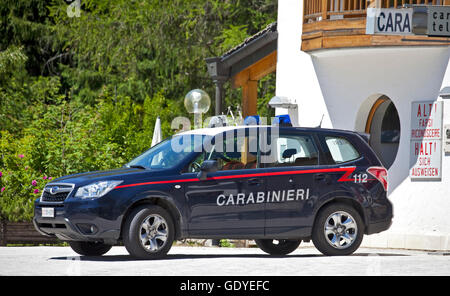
[(82, 224)]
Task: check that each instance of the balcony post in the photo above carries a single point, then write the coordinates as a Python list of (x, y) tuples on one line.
[(324, 9)]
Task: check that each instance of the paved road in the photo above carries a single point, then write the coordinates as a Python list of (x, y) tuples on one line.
[(221, 261)]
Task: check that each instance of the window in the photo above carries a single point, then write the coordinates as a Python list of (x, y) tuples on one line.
[(168, 153), (292, 150), (390, 126), (341, 150), (235, 150), (238, 152)]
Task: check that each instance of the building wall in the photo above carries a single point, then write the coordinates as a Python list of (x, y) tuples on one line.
[(343, 84), (295, 71)]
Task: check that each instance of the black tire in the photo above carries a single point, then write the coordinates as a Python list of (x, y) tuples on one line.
[(340, 239), (278, 247), (89, 248), (134, 228)]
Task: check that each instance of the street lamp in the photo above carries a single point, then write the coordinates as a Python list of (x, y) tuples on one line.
[(197, 101)]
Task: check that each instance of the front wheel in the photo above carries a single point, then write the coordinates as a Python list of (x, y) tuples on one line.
[(148, 232), (89, 248), (278, 247), (338, 230)]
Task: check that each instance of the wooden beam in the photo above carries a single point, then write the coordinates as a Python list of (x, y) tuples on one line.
[(264, 67), (240, 79), (255, 72), (249, 98)]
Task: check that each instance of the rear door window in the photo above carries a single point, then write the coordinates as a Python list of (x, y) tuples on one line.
[(292, 150)]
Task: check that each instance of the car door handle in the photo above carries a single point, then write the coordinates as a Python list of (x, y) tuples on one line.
[(322, 177), (255, 181)]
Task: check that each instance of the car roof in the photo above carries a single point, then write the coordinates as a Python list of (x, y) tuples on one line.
[(217, 130)]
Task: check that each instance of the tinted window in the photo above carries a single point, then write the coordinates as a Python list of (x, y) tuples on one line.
[(292, 150), (238, 152), (234, 150), (168, 153), (341, 150)]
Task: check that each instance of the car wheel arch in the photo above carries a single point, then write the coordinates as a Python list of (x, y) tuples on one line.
[(344, 200), (164, 203)]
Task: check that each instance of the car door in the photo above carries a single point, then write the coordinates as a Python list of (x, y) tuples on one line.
[(344, 166), (291, 170), (226, 205)]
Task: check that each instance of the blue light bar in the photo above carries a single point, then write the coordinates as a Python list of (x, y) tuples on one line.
[(282, 120)]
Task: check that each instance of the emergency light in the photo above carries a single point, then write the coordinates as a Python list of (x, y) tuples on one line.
[(282, 120)]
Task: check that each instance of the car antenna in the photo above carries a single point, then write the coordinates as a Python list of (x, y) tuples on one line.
[(320, 124)]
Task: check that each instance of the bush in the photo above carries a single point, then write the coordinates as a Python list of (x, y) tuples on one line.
[(20, 184), (66, 138)]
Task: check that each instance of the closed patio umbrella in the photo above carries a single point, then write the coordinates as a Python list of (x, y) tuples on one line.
[(157, 134)]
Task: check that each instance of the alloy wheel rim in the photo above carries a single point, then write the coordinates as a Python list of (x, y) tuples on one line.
[(340, 230), (153, 233)]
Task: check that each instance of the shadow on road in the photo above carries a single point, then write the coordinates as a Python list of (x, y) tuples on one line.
[(116, 258)]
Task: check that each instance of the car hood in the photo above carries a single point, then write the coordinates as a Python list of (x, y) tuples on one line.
[(125, 174)]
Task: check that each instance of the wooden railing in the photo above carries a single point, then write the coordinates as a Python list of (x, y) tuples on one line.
[(22, 233), (317, 10)]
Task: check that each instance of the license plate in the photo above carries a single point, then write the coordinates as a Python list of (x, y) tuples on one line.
[(48, 212)]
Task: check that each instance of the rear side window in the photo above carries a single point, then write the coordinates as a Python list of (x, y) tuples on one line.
[(292, 150), (341, 150)]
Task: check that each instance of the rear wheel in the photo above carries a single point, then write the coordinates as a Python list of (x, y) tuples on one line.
[(338, 230), (278, 247), (148, 232), (90, 248)]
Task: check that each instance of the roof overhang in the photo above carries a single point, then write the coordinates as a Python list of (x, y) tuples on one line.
[(239, 58)]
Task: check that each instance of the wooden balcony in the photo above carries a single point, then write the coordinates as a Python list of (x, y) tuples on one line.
[(342, 23)]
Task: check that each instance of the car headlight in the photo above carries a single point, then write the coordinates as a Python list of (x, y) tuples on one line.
[(97, 189)]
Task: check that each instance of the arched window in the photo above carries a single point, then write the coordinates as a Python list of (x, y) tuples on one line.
[(383, 125)]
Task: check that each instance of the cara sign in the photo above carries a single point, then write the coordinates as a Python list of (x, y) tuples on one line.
[(426, 141), (389, 21)]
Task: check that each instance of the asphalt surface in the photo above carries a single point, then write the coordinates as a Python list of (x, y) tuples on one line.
[(200, 261)]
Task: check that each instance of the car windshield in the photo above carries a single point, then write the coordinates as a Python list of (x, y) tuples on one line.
[(168, 153)]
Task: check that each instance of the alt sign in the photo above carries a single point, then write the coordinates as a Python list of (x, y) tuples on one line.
[(426, 141)]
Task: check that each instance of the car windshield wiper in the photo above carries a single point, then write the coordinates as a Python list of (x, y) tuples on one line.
[(137, 166)]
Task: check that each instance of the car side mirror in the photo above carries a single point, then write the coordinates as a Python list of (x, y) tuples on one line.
[(208, 166)]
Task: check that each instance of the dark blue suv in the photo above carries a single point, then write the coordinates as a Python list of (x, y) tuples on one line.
[(276, 185)]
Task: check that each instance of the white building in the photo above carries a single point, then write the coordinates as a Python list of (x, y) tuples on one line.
[(368, 83), (346, 65)]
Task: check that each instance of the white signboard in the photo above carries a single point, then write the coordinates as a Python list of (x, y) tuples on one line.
[(438, 21), (389, 21), (447, 138), (426, 140)]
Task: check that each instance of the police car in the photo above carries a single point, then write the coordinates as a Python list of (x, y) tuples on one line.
[(273, 184)]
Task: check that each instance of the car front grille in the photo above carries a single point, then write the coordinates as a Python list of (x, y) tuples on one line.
[(56, 192)]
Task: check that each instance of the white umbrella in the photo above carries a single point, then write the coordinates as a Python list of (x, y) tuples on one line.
[(157, 134)]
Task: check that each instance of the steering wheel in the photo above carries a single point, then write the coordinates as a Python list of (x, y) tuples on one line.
[(195, 167)]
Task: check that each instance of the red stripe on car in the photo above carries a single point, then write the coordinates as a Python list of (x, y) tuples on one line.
[(348, 171)]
